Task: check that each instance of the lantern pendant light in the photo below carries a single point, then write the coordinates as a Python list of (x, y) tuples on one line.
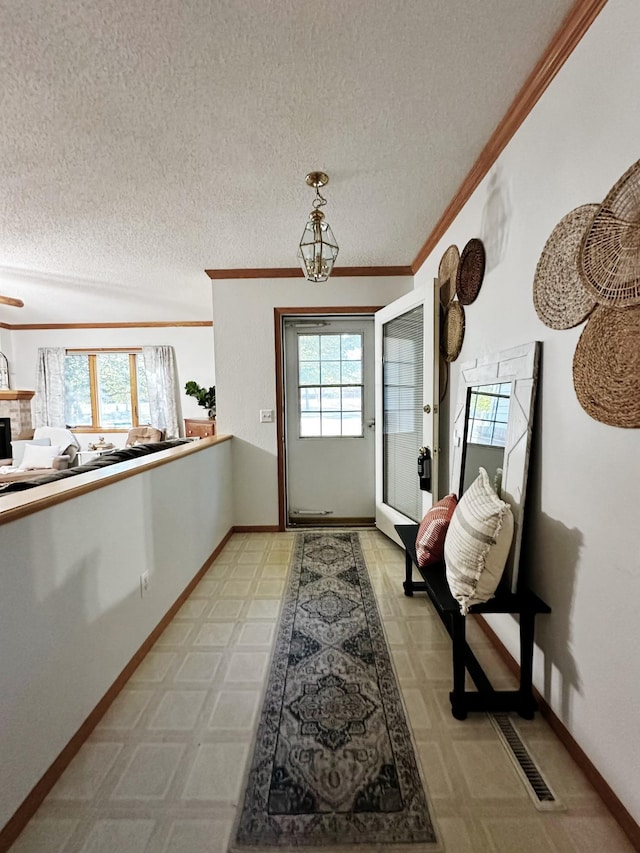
[(318, 248)]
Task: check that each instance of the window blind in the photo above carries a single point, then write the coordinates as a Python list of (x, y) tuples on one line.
[(403, 359)]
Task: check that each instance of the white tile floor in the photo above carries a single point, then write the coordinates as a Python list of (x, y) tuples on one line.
[(163, 771)]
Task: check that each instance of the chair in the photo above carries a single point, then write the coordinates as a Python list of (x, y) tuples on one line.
[(143, 435)]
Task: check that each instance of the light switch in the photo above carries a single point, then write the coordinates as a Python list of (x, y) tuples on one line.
[(266, 416)]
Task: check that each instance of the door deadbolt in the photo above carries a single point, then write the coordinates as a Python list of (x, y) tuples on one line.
[(427, 409)]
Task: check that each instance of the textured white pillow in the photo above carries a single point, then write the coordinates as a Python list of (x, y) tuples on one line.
[(39, 456), (477, 543)]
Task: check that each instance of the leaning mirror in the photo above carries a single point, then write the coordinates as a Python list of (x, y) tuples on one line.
[(492, 427)]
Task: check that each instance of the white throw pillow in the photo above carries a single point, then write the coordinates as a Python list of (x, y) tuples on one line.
[(39, 456), (18, 446), (477, 543)]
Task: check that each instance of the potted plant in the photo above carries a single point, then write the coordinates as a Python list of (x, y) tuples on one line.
[(206, 397)]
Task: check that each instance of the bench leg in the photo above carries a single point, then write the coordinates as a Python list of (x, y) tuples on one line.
[(408, 575), (458, 638), (527, 704)]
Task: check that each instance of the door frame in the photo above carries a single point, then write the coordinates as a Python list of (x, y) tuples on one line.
[(279, 317)]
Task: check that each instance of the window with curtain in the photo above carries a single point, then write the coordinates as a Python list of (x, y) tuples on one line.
[(402, 378), (105, 390)]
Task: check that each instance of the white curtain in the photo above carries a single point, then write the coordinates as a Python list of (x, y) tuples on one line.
[(160, 367), (49, 396)]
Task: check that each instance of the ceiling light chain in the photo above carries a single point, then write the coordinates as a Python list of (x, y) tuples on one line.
[(318, 249)]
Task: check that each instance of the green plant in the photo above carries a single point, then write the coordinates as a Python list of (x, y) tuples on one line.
[(206, 397)]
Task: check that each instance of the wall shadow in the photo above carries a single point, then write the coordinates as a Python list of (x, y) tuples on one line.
[(496, 215), (548, 565)]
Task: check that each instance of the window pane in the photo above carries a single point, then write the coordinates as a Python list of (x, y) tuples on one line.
[(114, 390), (352, 399), (77, 391), (144, 410), (331, 399), (309, 425), (352, 347), (310, 399), (351, 423), (308, 347), (331, 423), (330, 347), (352, 372), (330, 372), (309, 373)]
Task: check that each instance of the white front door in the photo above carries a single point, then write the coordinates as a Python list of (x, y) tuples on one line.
[(407, 367), (329, 420)]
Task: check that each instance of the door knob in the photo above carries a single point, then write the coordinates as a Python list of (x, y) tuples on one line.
[(371, 423), (427, 408)]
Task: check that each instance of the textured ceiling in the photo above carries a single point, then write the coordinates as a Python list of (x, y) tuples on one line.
[(142, 142)]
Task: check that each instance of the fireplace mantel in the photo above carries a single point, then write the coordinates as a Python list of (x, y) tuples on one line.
[(16, 405), (10, 394)]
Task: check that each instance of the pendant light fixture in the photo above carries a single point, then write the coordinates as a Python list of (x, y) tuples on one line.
[(318, 248)]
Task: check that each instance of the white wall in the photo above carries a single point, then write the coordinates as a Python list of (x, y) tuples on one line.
[(71, 613), (193, 346), (245, 370), (582, 538)]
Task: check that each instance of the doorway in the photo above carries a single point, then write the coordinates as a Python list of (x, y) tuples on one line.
[(326, 417)]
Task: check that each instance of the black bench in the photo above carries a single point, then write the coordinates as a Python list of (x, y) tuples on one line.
[(526, 604)]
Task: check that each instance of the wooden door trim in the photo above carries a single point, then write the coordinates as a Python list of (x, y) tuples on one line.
[(279, 316)]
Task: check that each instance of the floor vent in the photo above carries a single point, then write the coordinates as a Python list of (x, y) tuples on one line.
[(537, 786)]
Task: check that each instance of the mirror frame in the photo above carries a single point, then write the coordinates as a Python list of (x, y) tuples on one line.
[(518, 365)]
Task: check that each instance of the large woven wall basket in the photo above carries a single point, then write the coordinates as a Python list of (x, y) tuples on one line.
[(606, 366), (609, 259)]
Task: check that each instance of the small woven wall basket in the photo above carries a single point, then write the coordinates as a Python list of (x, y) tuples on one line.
[(609, 259), (470, 271), (560, 298), (606, 366), (447, 272), (452, 334)]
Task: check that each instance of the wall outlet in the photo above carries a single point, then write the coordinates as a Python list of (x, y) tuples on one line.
[(266, 416), (144, 583)]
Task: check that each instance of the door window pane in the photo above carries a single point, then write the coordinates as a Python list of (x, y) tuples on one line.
[(330, 384)]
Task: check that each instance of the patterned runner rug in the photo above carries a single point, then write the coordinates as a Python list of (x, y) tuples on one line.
[(334, 763)]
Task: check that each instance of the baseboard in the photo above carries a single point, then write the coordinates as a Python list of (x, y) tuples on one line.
[(626, 822), (12, 829), (256, 528)]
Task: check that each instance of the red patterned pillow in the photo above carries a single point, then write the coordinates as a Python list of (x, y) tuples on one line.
[(432, 531)]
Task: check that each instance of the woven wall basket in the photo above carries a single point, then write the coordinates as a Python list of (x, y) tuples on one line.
[(470, 271), (606, 366), (560, 297), (452, 334), (609, 257), (447, 271)]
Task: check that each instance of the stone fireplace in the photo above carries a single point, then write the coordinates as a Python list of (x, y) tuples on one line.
[(16, 405)]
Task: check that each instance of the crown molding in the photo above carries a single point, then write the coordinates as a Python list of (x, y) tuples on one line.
[(560, 48), (296, 272), (24, 327)]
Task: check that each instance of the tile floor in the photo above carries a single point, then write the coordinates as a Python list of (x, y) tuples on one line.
[(163, 771)]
